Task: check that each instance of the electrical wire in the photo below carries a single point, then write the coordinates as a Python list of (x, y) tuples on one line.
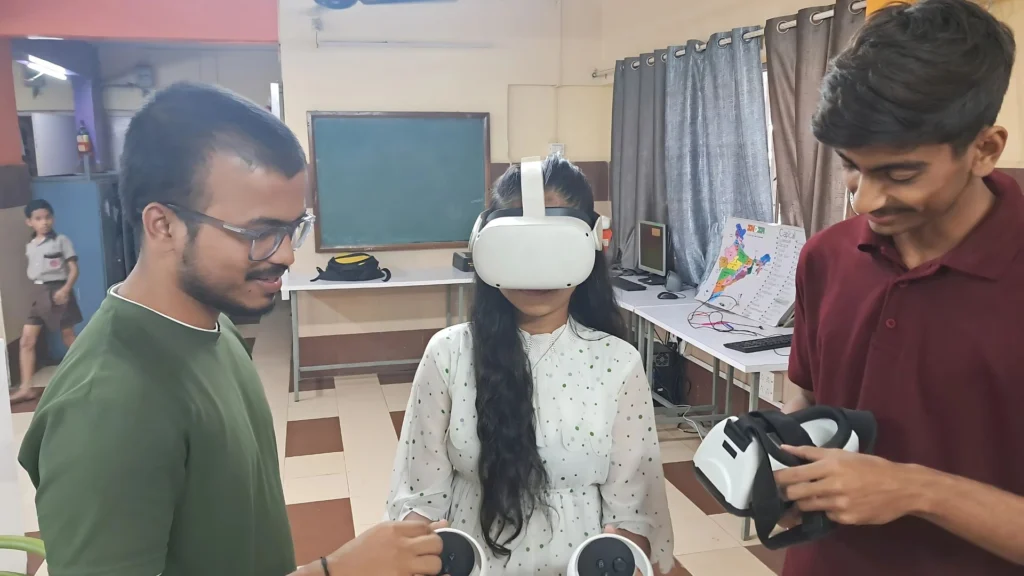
[(726, 326)]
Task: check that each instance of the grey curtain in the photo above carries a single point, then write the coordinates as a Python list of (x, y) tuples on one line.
[(625, 159), (614, 182), (716, 148), (808, 175)]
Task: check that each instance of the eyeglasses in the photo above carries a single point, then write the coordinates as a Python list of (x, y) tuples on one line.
[(265, 242)]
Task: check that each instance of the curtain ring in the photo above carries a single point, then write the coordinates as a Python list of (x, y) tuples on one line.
[(780, 28), (650, 60), (635, 64), (816, 22), (723, 42), (855, 12), (664, 57), (680, 53)]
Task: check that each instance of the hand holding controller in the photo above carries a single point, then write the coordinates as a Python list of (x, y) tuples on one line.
[(462, 555), (609, 555)]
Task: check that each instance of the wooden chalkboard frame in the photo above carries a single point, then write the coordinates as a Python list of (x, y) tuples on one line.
[(312, 116)]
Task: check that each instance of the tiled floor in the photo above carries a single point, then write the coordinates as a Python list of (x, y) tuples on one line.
[(337, 444)]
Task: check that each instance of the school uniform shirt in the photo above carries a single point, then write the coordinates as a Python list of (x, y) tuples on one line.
[(153, 452), (48, 259), (934, 353), (595, 433)]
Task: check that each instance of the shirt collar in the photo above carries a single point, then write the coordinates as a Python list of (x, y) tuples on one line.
[(986, 249), (113, 292)]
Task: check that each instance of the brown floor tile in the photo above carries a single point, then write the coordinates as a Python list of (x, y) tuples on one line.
[(319, 528), (683, 476), (311, 383), (25, 407), (308, 437), (404, 376), (773, 559), (397, 418), (34, 562)]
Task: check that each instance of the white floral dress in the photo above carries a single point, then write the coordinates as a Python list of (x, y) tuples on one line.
[(595, 433)]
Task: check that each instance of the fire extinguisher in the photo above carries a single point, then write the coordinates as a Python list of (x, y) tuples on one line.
[(84, 141)]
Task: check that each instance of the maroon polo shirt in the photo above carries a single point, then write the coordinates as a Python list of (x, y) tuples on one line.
[(937, 354)]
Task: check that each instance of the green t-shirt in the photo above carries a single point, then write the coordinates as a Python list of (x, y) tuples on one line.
[(153, 452)]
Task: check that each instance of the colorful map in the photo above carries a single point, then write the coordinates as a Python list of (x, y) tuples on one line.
[(754, 272), (735, 264)]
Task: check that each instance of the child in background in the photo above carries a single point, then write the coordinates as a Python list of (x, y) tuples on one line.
[(53, 269)]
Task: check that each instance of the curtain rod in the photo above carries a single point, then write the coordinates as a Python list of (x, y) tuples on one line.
[(816, 18)]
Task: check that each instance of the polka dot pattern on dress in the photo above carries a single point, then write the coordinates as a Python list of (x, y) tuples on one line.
[(593, 435)]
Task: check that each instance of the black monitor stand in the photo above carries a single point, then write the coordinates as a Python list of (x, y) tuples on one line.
[(654, 280)]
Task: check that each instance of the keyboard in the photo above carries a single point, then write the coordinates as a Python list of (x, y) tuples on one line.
[(627, 285), (762, 344)]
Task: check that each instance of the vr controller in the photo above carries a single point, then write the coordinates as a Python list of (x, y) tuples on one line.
[(601, 555), (737, 460), (461, 555)]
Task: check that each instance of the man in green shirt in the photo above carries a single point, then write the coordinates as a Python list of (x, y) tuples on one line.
[(153, 448)]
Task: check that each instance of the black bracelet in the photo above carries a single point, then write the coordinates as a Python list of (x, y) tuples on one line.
[(323, 564)]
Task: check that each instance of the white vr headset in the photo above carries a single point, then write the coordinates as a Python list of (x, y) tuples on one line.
[(736, 462), (534, 247)]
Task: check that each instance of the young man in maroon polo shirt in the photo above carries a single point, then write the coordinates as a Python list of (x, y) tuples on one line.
[(913, 310)]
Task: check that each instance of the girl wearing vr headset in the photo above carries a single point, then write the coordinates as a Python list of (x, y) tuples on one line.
[(531, 428)]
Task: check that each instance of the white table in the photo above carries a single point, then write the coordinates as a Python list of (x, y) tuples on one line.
[(630, 301), (421, 278), (676, 321)]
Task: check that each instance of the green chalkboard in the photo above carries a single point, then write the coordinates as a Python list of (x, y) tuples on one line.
[(397, 180)]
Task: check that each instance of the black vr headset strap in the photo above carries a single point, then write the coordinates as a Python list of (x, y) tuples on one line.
[(766, 502)]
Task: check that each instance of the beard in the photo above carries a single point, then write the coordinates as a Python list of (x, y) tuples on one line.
[(192, 283)]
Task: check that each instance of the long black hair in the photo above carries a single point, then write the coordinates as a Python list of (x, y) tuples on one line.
[(512, 473)]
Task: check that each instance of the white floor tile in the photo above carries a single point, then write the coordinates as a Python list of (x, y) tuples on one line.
[(694, 531), (397, 396), (677, 451), (731, 562), (315, 489), (312, 409), (315, 465)]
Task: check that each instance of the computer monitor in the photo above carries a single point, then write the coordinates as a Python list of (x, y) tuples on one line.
[(651, 245)]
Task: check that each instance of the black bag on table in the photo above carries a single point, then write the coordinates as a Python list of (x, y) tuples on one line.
[(355, 267)]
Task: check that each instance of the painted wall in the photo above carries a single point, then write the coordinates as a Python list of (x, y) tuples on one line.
[(632, 27), (245, 70), (534, 79), (1012, 114), (56, 150), (247, 21), (10, 136)]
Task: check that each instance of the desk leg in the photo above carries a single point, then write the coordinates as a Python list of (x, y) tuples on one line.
[(462, 303), (755, 388), (295, 343), (650, 351), (448, 305), (730, 375), (716, 366)]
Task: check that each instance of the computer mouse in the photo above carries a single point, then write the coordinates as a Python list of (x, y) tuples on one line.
[(668, 296)]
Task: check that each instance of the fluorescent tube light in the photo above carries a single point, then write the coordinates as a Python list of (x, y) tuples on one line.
[(48, 68)]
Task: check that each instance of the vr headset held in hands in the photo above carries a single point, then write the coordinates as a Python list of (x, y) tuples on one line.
[(535, 247)]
